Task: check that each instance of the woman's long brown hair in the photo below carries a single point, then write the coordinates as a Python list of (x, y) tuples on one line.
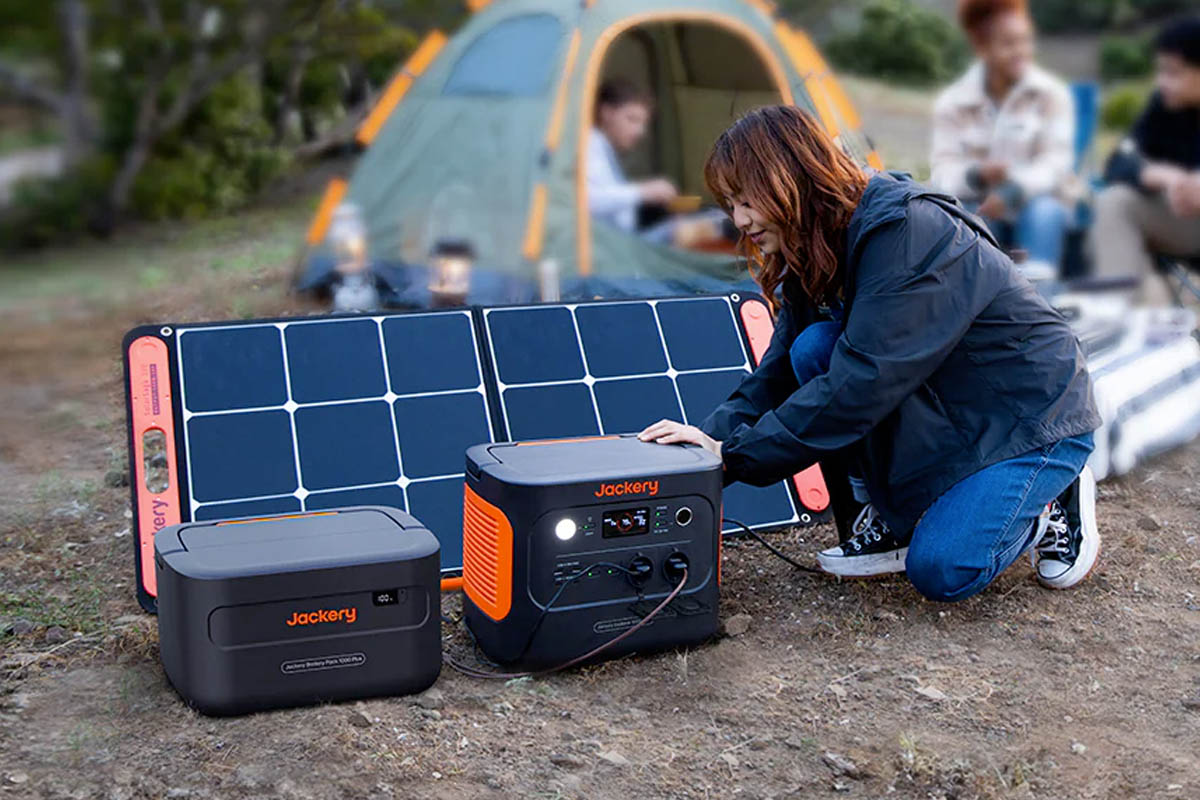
[(782, 163)]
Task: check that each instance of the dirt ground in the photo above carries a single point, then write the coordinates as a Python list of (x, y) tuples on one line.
[(862, 689)]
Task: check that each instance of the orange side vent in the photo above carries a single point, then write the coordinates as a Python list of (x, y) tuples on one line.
[(334, 193), (487, 556)]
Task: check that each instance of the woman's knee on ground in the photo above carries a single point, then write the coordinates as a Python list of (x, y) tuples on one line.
[(938, 577)]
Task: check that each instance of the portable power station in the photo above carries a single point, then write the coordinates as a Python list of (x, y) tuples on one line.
[(631, 516), (294, 610)]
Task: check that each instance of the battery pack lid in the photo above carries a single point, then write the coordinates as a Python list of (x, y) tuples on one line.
[(295, 543), (588, 459)]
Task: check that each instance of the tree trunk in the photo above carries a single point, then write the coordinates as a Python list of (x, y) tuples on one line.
[(74, 111)]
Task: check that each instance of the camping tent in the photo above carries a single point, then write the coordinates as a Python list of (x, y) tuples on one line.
[(480, 140)]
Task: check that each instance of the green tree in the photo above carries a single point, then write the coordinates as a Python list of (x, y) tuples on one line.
[(190, 83), (901, 41)]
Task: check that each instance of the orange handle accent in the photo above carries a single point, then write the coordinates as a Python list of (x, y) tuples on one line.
[(452, 584), (756, 320), (150, 399)]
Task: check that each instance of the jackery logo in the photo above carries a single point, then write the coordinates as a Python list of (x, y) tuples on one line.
[(648, 488), (346, 615)]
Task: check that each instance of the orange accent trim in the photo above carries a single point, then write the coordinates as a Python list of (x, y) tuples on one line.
[(535, 229), (765, 6), (150, 402), (583, 220), (756, 321), (841, 102), (421, 58), (541, 442), (280, 518), (487, 555), (452, 584), (559, 115), (334, 193), (810, 486), (477, 5), (874, 159), (829, 118)]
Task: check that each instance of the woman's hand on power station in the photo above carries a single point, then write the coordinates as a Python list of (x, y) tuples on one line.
[(668, 432)]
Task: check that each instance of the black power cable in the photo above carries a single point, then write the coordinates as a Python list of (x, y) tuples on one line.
[(774, 550), (475, 672)]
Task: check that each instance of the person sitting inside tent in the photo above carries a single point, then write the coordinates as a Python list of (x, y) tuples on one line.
[(1004, 136), (623, 115), (1153, 201)]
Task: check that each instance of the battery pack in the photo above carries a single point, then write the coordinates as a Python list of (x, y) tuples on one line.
[(295, 610)]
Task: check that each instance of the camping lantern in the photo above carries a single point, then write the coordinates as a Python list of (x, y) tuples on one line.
[(450, 281), (348, 239)]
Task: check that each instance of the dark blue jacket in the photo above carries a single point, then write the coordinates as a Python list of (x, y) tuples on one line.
[(949, 361)]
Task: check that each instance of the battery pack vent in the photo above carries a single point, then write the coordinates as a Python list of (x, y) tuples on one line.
[(487, 555)]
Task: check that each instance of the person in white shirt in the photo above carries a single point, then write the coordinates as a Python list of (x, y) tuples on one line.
[(623, 113), (1004, 136)]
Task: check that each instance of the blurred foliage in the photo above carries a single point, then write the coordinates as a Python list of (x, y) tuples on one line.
[(1126, 57), (1123, 105), (1061, 16), (43, 210), (181, 108), (898, 40), (216, 163)]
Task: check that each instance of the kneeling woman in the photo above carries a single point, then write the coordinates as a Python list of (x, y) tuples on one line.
[(906, 343)]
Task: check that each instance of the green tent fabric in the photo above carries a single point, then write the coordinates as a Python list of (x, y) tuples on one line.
[(485, 145)]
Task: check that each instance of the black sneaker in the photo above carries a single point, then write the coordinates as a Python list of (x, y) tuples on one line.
[(870, 550), (1067, 550)]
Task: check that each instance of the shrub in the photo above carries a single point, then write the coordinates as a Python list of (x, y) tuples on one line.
[(44, 209), (1122, 107), (1123, 57), (900, 41)]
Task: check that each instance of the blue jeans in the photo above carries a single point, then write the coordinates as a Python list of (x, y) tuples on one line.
[(983, 523), (1040, 229)]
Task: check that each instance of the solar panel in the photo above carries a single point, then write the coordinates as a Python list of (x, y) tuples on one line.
[(304, 415), (618, 366), (301, 415)]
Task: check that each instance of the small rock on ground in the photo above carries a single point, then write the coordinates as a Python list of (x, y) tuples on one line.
[(19, 627), (841, 765), (431, 699), (358, 720), (738, 624), (55, 634), (614, 758), (566, 761)]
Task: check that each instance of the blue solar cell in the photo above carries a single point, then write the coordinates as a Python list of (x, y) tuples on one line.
[(334, 361), (755, 505), (392, 496), (238, 456), (249, 508), (549, 412), (628, 406), (431, 353), (534, 345), (346, 445), (700, 334), (439, 506), (702, 392), (435, 432), (230, 369), (620, 339)]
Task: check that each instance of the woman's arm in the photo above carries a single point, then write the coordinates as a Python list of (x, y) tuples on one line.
[(921, 283), (762, 390)]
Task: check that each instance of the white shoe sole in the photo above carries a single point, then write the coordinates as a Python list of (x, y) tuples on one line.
[(864, 566), (1089, 548)]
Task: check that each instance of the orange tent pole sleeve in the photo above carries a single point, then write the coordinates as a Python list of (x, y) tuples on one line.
[(421, 58), (334, 193)]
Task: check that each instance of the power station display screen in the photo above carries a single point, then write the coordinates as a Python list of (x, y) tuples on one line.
[(629, 522)]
